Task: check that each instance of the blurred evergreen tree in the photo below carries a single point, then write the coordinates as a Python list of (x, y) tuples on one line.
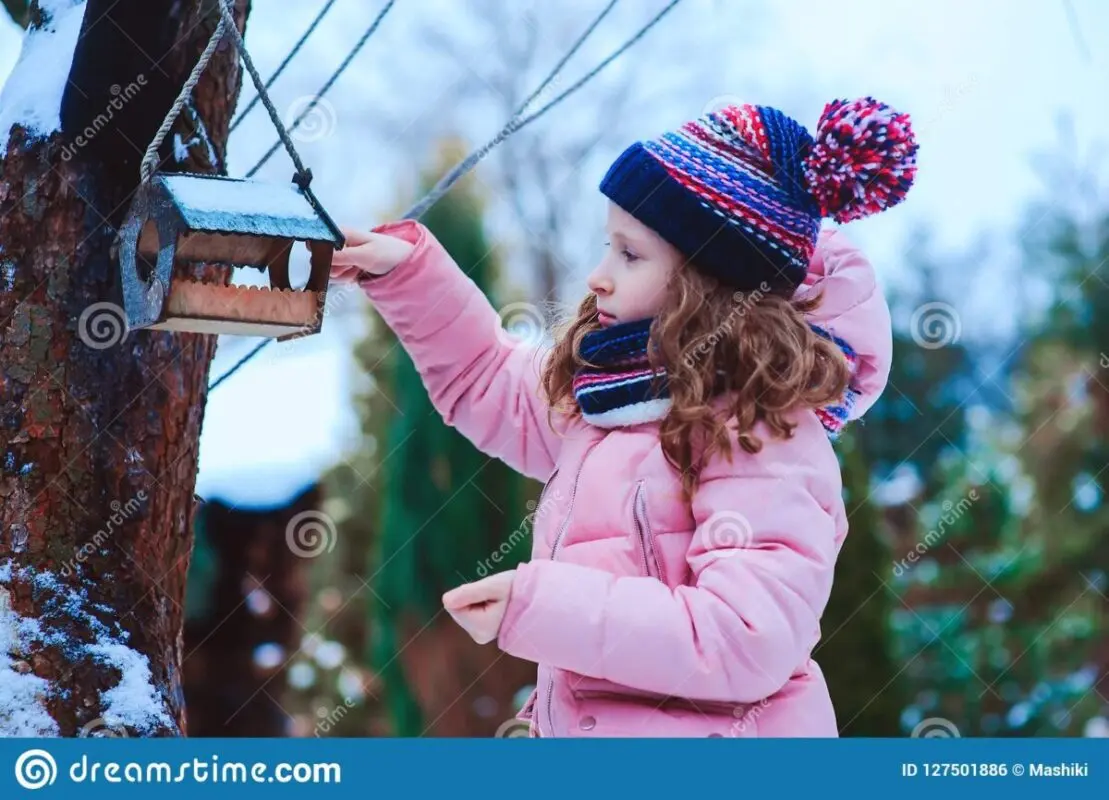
[(444, 509), (855, 653), (1005, 620), (920, 415)]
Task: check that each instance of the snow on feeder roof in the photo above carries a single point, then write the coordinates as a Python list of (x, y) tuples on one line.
[(180, 219)]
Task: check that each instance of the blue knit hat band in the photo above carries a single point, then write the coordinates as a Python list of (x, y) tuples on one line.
[(641, 185)]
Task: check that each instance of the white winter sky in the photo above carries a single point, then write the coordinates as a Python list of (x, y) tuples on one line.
[(985, 80)]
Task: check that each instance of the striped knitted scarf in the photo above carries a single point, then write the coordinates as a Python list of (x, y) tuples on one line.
[(621, 389)]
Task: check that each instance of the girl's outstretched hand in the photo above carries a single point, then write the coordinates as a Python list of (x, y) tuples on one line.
[(367, 253), (479, 606)]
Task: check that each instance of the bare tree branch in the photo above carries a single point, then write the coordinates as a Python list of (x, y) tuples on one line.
[(18, 9)]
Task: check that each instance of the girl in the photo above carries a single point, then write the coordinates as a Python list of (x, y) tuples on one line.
[(685, 542)]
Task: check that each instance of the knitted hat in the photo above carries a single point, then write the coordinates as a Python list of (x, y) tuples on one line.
[(741, 191)]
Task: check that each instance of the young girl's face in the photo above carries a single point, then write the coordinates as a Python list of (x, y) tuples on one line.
[(630, 282)]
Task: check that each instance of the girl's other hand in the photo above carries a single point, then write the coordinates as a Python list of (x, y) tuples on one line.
[(479, 607), (367, 253)]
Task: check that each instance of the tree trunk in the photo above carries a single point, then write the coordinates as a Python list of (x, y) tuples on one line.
[(100, 425)]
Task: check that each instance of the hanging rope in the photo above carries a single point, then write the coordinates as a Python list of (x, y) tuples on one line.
[(471, 161), (513, 125), (281, 68), (226, 23), (150, 158), (462, 168), (303, 175), (327, 86), (596, 70)]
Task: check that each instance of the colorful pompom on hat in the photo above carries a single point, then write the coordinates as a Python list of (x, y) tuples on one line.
[(742, 190)]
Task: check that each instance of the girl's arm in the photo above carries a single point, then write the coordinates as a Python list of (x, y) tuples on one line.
[(481, 384), (762, 559)]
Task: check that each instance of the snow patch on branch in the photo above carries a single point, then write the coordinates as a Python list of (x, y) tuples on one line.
[(134, 702), (32, 95)]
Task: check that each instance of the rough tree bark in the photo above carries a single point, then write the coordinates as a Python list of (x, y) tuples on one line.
[(100, 426)]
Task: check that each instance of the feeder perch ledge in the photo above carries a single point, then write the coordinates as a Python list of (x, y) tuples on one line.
[(182, 220)]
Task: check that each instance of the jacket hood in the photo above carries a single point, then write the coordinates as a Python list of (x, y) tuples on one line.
[(854, 312)]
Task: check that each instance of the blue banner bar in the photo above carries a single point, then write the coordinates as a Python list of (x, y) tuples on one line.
[(361, 768)]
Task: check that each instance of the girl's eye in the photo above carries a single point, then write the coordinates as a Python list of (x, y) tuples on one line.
[(629, 256)]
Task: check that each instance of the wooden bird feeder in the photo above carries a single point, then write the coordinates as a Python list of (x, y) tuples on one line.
[(183, 219)]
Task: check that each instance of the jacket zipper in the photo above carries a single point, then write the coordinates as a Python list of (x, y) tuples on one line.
[(542, 498), (554, 551), (643, 528)]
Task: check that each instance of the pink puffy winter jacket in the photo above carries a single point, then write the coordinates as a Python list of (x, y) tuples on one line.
[(649, 616)]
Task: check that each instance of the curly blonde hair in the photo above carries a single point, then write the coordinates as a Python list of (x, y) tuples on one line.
[(754, 348)]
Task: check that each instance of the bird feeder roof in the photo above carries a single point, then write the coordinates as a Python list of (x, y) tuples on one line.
[(218, 204)]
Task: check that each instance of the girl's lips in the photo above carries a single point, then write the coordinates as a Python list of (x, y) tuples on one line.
[(605, 319)]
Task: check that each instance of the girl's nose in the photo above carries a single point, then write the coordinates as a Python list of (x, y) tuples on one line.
[(599, 283)]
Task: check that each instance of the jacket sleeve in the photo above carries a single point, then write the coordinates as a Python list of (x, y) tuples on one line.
[(762, 559), (480, 381)]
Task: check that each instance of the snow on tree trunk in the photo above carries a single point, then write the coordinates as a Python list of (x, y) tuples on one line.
[(100, 425)]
